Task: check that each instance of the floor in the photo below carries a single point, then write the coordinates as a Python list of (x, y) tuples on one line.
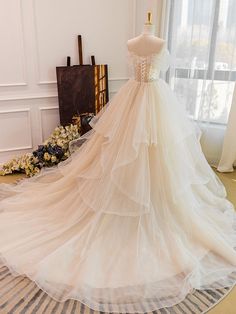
[(226, 306)]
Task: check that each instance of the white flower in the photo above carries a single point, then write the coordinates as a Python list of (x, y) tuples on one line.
[(36, 170), (35, 160), (53, 158), (60, 142)]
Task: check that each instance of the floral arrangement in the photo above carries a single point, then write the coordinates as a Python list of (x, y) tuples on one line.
[(54, 150), (27, 164)]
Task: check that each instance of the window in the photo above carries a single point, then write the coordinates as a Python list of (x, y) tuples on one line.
[(202, 40)]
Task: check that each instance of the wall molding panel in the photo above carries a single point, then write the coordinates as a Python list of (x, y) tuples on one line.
[(28, 97), (51, 115), (34, 46), (38, 7), (14, 43), (16, 133)]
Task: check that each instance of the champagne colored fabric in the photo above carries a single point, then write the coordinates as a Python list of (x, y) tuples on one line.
[(134, 218)]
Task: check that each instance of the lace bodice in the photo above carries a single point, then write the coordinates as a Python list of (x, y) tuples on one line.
[(147, 68)]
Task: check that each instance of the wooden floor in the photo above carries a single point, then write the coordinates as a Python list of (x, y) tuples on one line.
[(228, 304)]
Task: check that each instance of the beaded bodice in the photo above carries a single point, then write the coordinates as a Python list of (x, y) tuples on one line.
[(147, 68)]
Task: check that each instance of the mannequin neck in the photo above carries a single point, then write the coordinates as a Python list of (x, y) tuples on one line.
[(148, 29)]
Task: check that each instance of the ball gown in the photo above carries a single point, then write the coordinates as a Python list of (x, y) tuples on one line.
[(135, 219)]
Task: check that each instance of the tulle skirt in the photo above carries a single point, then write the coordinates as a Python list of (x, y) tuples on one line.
[(133, 221)]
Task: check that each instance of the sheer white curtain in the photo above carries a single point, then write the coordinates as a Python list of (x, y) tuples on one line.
[(202, 40), (228, 157)]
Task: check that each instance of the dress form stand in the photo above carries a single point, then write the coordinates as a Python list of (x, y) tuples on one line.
[(146, 43)]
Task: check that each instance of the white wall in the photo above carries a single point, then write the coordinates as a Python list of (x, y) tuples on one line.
[(35, 37)]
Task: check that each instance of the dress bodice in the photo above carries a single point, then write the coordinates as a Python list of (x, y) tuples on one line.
[(147, 68)]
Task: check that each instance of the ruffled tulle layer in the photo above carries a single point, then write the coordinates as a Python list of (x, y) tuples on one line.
[(133, 221)]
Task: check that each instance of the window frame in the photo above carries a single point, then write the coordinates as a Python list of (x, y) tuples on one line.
[(207, 74)]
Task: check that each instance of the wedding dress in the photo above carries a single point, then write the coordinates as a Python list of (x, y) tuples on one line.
[(135, 219)]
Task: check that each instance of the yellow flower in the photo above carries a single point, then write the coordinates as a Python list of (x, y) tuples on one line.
[(67, 154), (60, 142), (2, 173), (46, 156)]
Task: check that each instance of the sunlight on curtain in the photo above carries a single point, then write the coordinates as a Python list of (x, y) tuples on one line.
[(228, 156), (202, 40)]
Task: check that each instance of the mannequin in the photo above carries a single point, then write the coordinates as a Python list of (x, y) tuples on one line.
[(146, 43)]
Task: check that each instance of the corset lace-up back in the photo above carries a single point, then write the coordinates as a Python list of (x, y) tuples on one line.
[(144, 69), (147, 68)]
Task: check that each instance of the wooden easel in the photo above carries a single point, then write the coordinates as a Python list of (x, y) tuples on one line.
[(82, 89)]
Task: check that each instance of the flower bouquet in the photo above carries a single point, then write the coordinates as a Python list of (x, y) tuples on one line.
[(54, 150)]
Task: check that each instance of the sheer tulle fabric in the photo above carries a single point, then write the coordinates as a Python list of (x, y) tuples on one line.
[(134, 220)]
